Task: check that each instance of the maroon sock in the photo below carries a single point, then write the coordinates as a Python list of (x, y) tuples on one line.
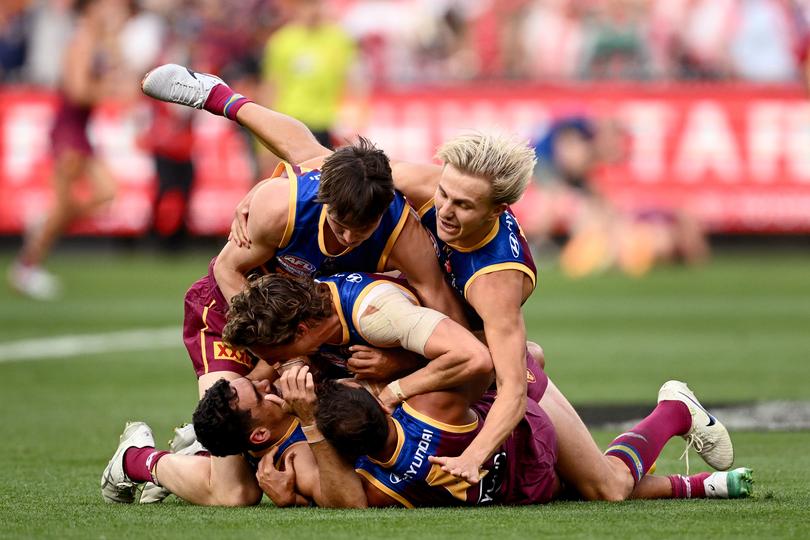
[(224, 102), (688, 487), (640, 447), (140, 463)]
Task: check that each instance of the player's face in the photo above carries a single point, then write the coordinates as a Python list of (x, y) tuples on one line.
[(350, 236), (464, 211), (305, 343), (251, 397)]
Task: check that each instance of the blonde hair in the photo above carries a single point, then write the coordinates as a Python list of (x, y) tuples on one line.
[(503, 160)]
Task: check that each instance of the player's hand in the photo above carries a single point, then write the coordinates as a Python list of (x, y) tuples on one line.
[(374, 364), (297, 389), (388, 400), (239, 225), (278, 485), (461, 467)]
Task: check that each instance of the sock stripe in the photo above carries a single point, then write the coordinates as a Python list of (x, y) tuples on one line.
[(233, 99), (632, 454)]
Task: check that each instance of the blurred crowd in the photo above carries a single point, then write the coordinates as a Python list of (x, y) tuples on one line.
[(417, 41)]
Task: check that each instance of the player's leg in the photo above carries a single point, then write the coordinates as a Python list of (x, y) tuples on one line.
[(283, 135), (209, 481), (27, 274), (197, 479), (736, 484), (580, 463)]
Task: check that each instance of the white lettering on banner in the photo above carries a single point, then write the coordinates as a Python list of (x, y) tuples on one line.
[(26, 136), (797, 137), (648, 122), (707, 145), (766, 144)]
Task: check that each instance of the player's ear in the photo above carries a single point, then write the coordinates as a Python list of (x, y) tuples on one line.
[(498, 209), (259, 435), (301, 330)]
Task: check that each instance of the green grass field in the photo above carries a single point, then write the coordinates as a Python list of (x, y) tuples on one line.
[(737, 330)]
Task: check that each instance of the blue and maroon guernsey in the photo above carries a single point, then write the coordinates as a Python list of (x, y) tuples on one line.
[(409, 478), (348, 292), (293, 436), (504, 248), (522, 470), (302, 251)]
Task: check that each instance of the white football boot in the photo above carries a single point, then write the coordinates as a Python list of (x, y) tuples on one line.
[(707, 435), (178, 84), (116, 486), (736, 484), (33, 281), (184, 443)]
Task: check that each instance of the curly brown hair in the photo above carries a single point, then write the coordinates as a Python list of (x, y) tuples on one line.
[(270, 309)]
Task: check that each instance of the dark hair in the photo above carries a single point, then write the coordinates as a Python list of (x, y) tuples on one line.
[(357, 184), (270, 309), (351, 420), (223, 429)]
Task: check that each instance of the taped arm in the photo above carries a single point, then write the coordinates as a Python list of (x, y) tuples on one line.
[(457, 357)]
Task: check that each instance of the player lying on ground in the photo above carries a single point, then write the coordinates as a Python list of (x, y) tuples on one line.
[(284, 317), (484, 254), (629, 457), (346, 200), (392, 453)]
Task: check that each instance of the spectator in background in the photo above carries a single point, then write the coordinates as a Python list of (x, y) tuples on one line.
[(600, 235), (616, 47), (306, 68), (15, 22), (52, 23), (764, 40), (93, 70)]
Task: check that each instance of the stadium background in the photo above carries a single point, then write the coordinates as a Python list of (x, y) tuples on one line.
[(711, 97)]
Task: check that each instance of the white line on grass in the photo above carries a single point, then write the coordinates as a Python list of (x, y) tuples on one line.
[(145, 339)]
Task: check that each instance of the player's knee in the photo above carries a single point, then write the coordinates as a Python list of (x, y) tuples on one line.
[(245, 495), (536, 351), (611, 488)]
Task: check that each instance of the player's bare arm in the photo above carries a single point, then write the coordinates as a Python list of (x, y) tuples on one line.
[(283, 135), (267, 221), (337, 485), (413, 254), (456, 356), (417, 181), (497, 298)]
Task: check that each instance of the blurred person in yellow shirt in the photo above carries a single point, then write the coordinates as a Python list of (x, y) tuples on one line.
[(306, 68)]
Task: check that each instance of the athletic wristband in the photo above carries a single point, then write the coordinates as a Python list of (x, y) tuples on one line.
[(312, 434), (397, 390)]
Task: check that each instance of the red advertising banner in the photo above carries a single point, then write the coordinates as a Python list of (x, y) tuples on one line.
[(737, 157)]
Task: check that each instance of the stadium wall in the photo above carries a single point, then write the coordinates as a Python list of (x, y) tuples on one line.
[(736, 156)]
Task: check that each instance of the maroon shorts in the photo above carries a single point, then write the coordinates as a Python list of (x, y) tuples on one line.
[(205, 314), (536, 379), (531, 457), (69, 130)]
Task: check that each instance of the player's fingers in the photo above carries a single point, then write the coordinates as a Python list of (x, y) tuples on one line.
[(278, 401), (438, 460), (301, 377), (358, 363), (357, 348), (310, 383), (363, 355)]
